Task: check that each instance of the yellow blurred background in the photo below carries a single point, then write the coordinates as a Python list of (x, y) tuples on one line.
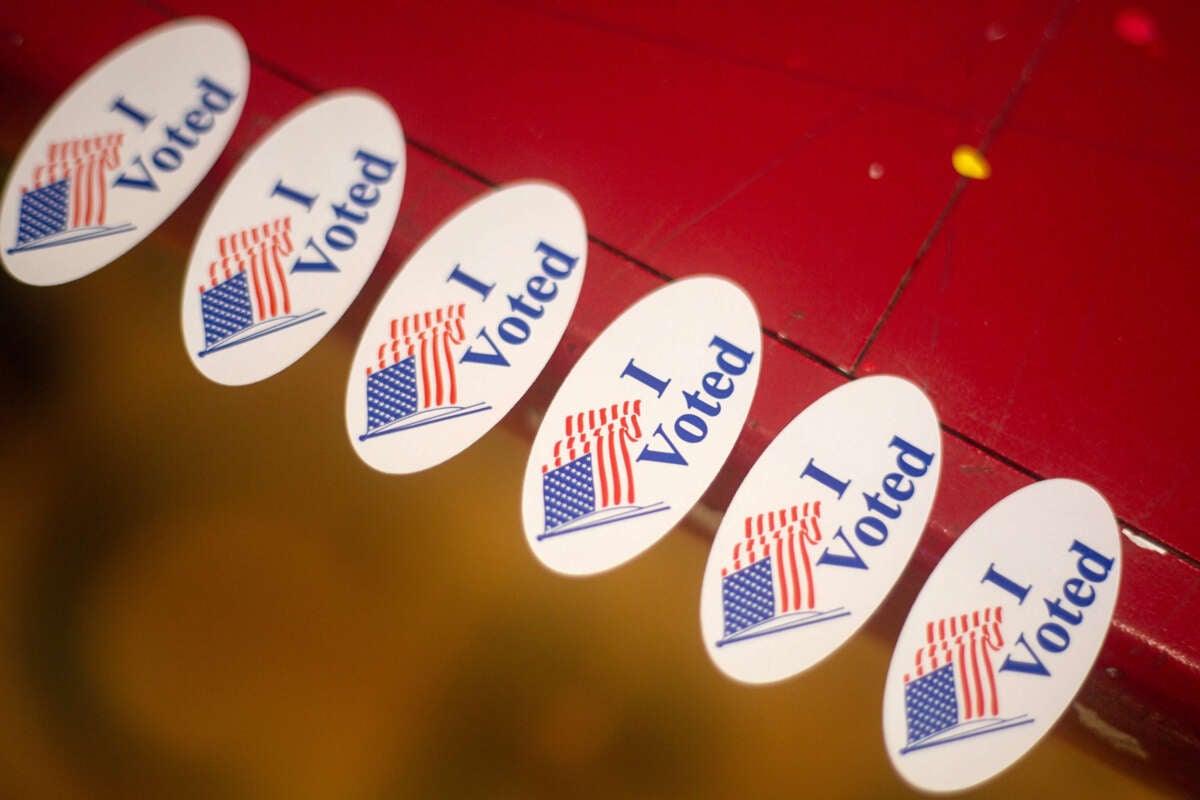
[(203, 593)]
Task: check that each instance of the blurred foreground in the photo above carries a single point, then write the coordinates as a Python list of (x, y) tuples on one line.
[(203, 593)]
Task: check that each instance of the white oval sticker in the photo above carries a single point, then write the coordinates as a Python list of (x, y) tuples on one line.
[(466, 327), (1002, 635), (820, 529), (293, 237), (121, 149), (641, 425)]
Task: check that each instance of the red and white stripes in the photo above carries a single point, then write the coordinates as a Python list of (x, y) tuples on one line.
[(606, 433), (430, 336), (260, 251), (966, 640), (785, 536), (85, 161)]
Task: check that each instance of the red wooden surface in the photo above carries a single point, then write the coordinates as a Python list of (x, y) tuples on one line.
[(1047, 313)]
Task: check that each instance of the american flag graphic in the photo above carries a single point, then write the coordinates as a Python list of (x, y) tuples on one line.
[(784, 537), (953, 680), (769, 574), (591, 467), (429, 337), (247, 283), (70, 188), (415, 367)]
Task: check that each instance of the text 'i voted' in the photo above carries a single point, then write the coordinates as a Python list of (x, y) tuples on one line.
[(1001, 637), (820, 529), (293, 236), (641, 425), (465, 327), (121, 150)]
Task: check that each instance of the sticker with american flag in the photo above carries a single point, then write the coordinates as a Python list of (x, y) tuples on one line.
[(1002, 636), (820, 529), (293, 236), (413, 381), (465, 326), (121, 148), (589, 481), (246, 295), (641, 425)]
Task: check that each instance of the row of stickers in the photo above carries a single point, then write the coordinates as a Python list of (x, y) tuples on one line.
[(1000, 638)]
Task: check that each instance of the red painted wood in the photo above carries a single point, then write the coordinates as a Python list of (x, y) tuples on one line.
[(1095, 87), (1049, 315), (48, 57), (954, 57), (646, 158), (818, 242)]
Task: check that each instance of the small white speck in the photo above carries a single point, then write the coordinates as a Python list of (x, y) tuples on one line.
[(995, 32), (875, 171), (1143, 542), (1110, 734)]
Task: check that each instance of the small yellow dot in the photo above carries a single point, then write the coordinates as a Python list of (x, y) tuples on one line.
[(970, 163)]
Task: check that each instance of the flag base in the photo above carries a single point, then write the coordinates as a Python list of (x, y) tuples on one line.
[(606, 516), (967, 730), (72, 236), (426, 417), (263, 328), (796, 619)]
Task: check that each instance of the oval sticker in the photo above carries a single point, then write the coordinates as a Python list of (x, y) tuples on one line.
[(465, 327), (293, 237), (820, 529), (1002, 635), (121, 149), (641, 425)]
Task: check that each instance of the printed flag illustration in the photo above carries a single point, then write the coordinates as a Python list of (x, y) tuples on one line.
[(590, 480), (767, 587), (415, 382), (951, 693), (68, 199), (247, 294)]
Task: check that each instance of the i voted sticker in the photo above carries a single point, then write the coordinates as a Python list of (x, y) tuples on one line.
[(1002, 635), (820, 529), (641, 425), (293, 237), (121, 149), (465, 327)]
